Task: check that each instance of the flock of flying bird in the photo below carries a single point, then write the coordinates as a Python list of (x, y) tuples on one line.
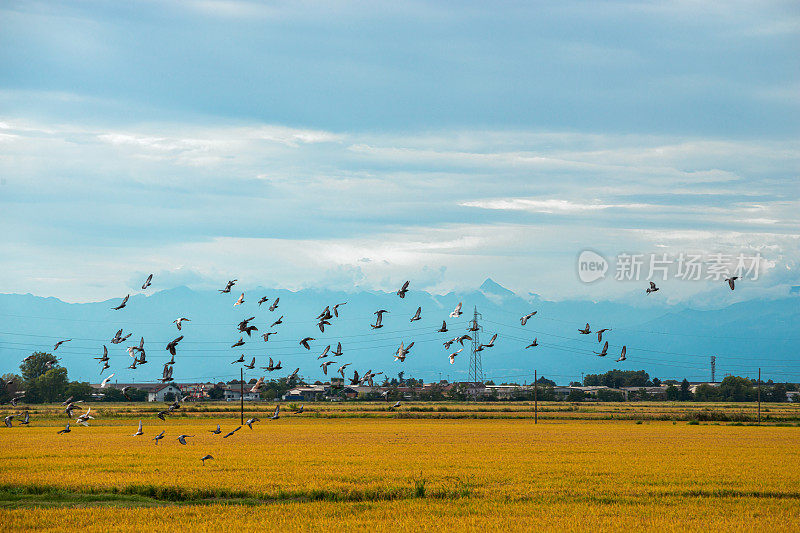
[(138, 355)]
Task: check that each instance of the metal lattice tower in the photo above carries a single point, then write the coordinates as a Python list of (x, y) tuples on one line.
[(713, 368), (475, 364)]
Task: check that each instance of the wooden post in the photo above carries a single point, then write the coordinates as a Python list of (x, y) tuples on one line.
[(535, 400), (759, 395), (241, 396)]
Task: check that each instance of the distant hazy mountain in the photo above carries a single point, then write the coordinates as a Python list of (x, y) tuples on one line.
[(667, 341)]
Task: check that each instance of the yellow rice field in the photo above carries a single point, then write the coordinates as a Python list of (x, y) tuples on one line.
[(309, 473)]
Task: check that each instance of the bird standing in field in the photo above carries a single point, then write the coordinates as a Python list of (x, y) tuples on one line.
[(59, 343), (206, 458), (651, 288), (123, 304), (403, 290), (524, 319), (139, 431), (147, 282)]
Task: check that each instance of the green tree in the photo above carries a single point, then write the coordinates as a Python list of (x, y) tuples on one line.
[(777, 393), (9, 387), (737, 389), (575, 395), (685, 394), (673, 393), (37, 365), (707, 393), (217, 393), (47, 388), (544, 381), (79, 390), (605, 395)]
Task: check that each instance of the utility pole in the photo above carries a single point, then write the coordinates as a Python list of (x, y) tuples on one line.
[(759, 395), (713, 368), (475, 364), (241, 396), (535, 399)]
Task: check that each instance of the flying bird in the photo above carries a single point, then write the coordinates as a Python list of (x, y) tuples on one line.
[(600, 334), (299, 410), (338, 352), (252, 364), (453, 356), (341, 369), (159, 436), (240, 342), (123, 304), (59, 343), (586, 330), (179, 321), (379, 319), (262, 300), (8, 420), (105, 381), (604, 351), (336, 309), (216, 431), (524, 319), (622, 354), (457, 311), (324, 353), (396, 405), (26, 419), (305, 341), (443, 329), (173, 344), (491, 342), (403, 290), (240, 360), (65, 430), (105, 354), (251, 421), (276, 414), (257, 385), (274, 305), (534, 343), (463, 338), (402, 352), (651, 288), (206, 458), (277, 322), (325, 366), (147, 282), (417, 315), (139, 431), (731, 280), (240, 301), (266, 335), (182, 438), (230, 285)]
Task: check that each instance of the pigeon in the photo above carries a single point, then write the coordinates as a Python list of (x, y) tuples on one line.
[(240, 342), (250, 421), (731, 281), (324, 367), (26, 419), (59, 343), (293, 374), (274, 305), (125, 393), (266, 335), (604, 351), (228, 287), (85, 417), (147, 282), (534, 343), (216, 431), (269, 368), (403, 290), (443, 329), (277, 322), (105, 354), (457, 311), (65, 430), (417, 315), (15, 399), (600, 334), (173, 344), (276, 414), (257, 385), (355, 380), (453, 356), (240, 301), (252, 364), (262, 300), (402, 352), (304, 342), (622, 354), (322, 324), (206, 458), (651, 288), (586, 330), (159, 436), (336, 309), (338, 352), (396, 405), (449, 343), (379, 320), (8, 420), (231, 433), (299, 410), (324, 353), (325, 314), (182, 438), (277, 366), (179, 321), (163, 414), (105, 381), (341, 369), (166, 374), (123, 304), (106, 366), (67, 401), (491, 342), (139, 431), (524, 320), (463, 338), (240, 360)]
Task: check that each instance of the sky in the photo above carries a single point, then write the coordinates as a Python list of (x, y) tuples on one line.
[(353, 145)]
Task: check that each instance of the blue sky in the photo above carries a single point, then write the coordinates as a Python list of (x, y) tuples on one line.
[(358, 144)]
